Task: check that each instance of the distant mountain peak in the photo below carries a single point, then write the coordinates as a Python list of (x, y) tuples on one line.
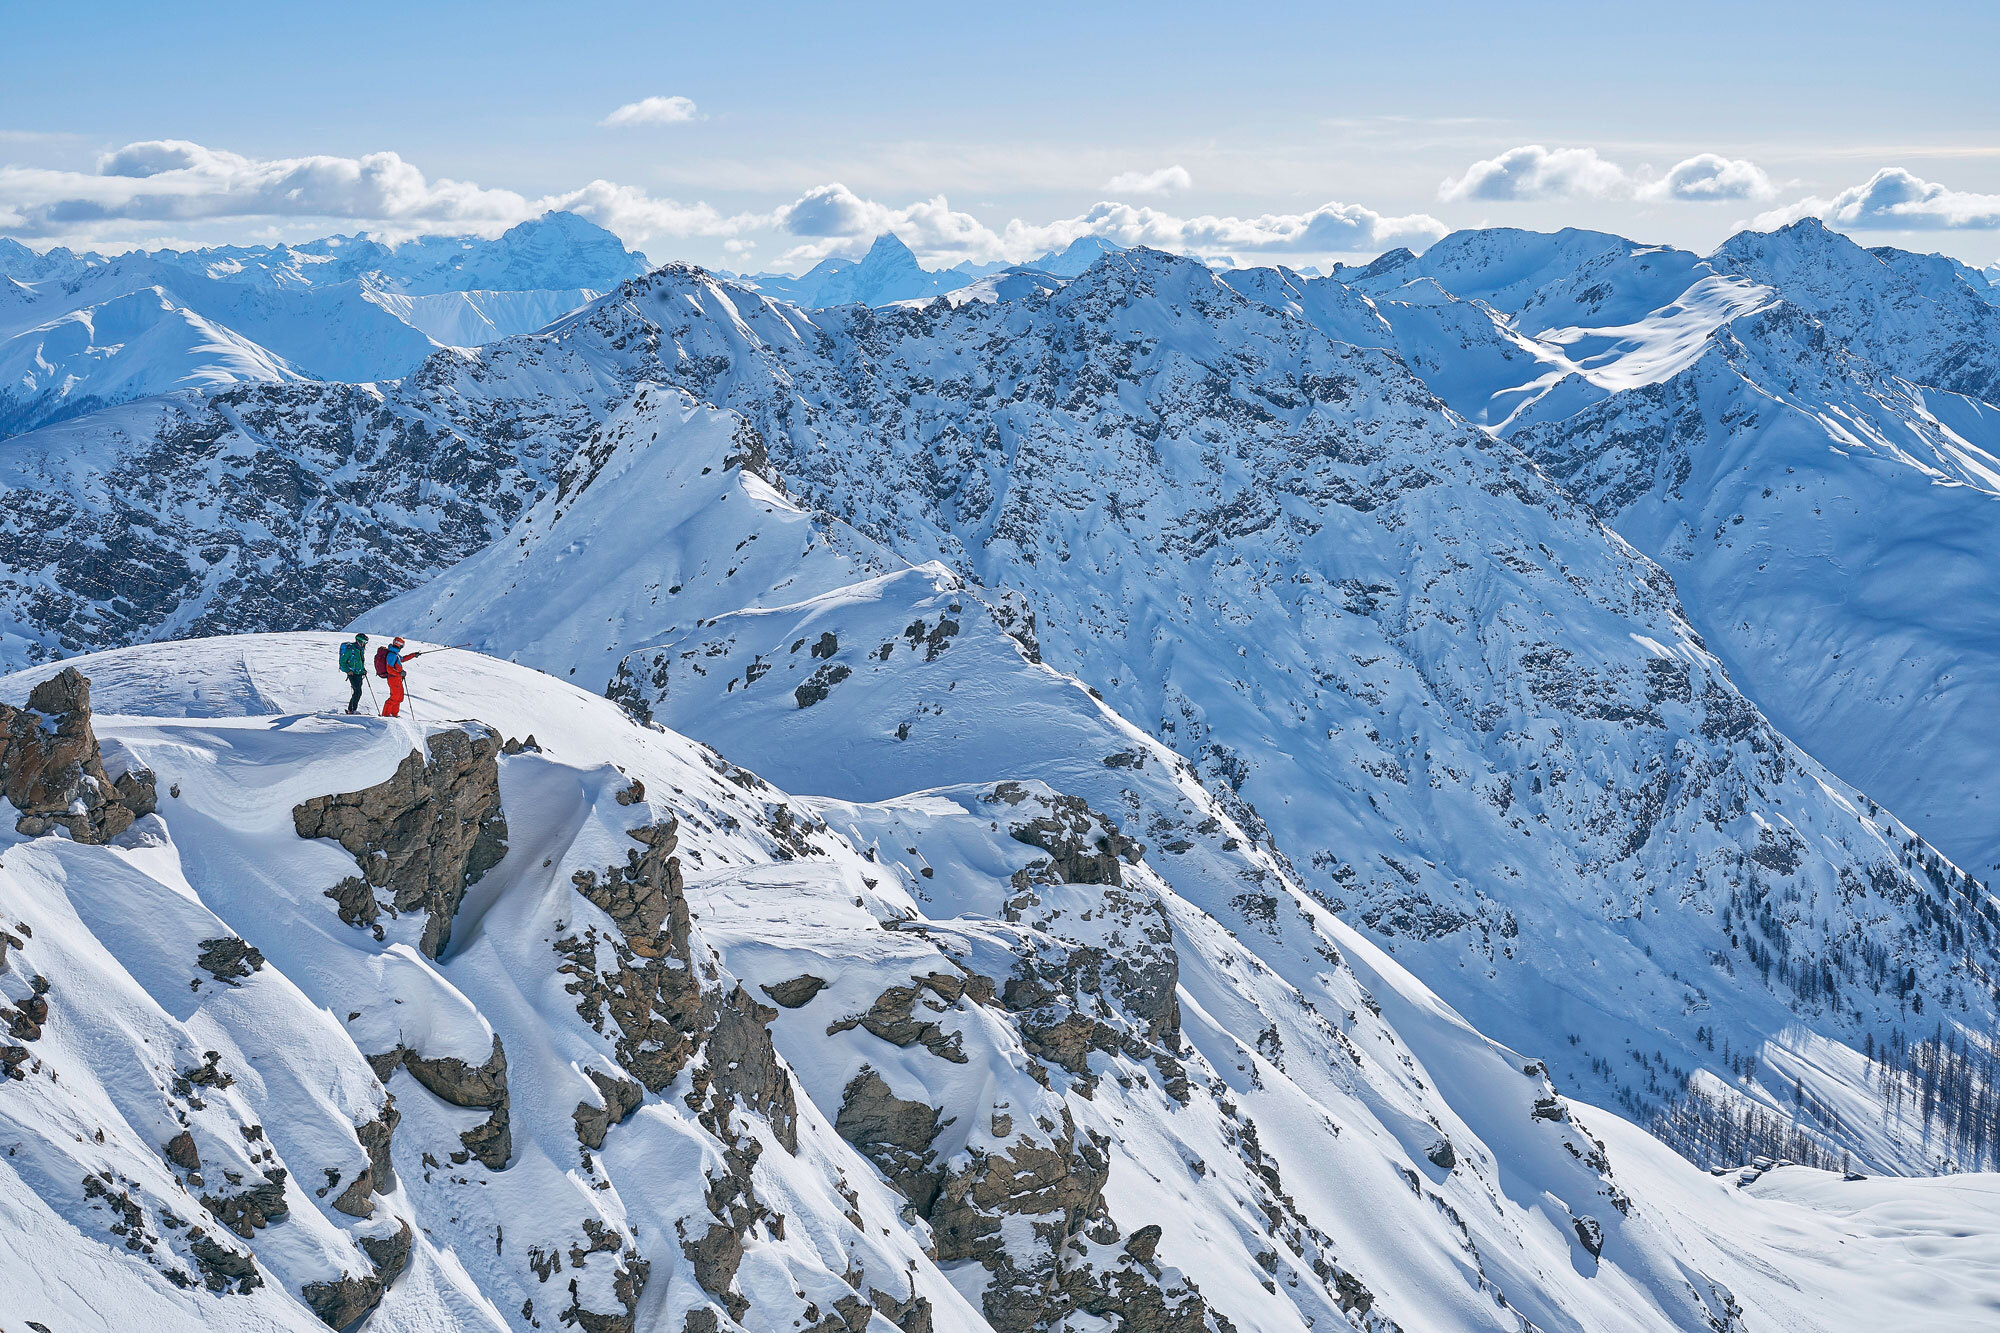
[(889, 246), (1075, 257)]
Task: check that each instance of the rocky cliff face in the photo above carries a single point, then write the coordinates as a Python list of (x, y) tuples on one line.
[(421, 838)]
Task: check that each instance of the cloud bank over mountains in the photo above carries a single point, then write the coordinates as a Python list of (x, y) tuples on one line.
[(1894, 200), (151, 191), (1534, 172)]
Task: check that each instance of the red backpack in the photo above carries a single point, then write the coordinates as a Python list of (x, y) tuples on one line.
[(382, 661)]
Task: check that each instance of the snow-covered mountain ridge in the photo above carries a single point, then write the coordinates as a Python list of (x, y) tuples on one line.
[(1825, 395), (1098, 452), (609, 1032), (78, 332)]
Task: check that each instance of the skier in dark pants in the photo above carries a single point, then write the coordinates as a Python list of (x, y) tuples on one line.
[(354, 662)]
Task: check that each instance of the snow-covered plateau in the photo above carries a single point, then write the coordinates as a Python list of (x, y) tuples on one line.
[(1449, 794)]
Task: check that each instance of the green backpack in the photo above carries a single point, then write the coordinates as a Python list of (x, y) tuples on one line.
[(351, 658)]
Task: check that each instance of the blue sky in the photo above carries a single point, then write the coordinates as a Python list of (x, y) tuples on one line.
[(776, 134)]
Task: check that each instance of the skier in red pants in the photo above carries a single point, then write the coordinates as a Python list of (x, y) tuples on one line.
[(389, 665)]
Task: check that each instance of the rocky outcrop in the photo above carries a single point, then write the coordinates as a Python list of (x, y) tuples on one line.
[(1084, 846), (1055, 1183), (895, 1134), (621, 1097), (419, 838), (461, 1084), (644, 896), (795, 992), (379, 1176), (52, 770), (642, 986), (1129, 1288), (352, 1297), (229, 959), (893, 1016), (820, 684), (247, 1211), (181, 1151)]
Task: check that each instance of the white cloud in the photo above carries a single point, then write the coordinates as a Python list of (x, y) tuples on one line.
[(1893, 200), (1167, 180), (1534, 172), (1332, 228), (1708, 177), (836, 220), (652, 111), (164, 181)]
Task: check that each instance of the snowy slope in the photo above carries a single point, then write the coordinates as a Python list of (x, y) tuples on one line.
[(1365, 592), (929, 1079), (1912, 315), (475, 318), (1853, 606), (1789, 450)]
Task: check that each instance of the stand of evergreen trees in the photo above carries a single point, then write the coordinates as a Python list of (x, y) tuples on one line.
[(1942, 1091)]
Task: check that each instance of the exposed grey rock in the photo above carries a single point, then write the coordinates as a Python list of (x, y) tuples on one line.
[(246, 1211), (229, 959), (222, 1269), (820, 684), (342, 1302), (52, 770), (421, 837), (354, 1296), (893, 1018), (643, 986), (1442, 1154), (461, 1084), (895, 1134), (375, 1136), (180, 1150), (1084, 846), (1133, 1296), (389, 1254), (1141, 1243), (1590, 1234), (640, 896), (796, 992), (621, 1097)]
